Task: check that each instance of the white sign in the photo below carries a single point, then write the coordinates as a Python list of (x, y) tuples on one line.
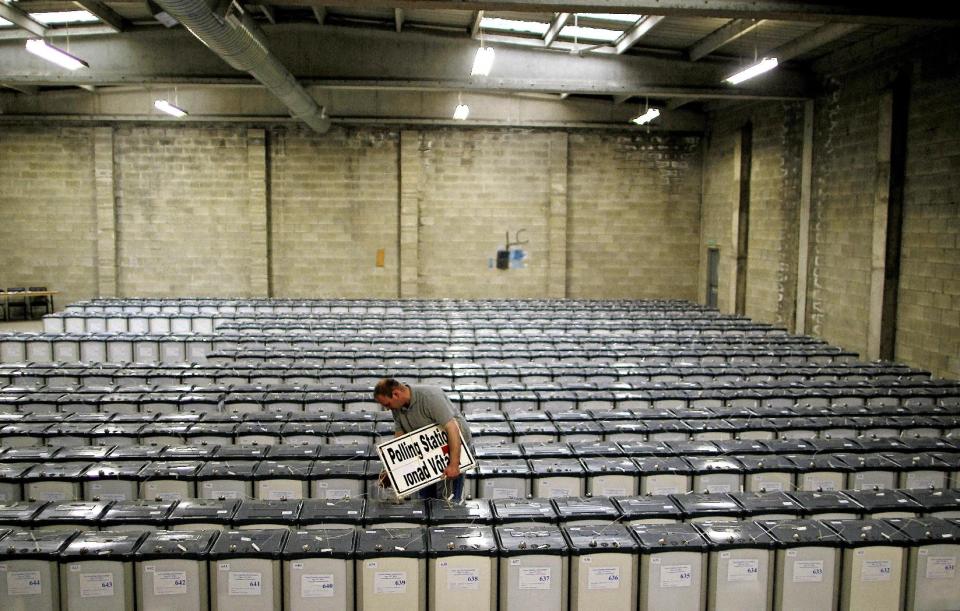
[(941, 567), (603, 578), (463, 579), (244, 584), (317, 586), (169, 583), (876, 570), (390, 582), (94, 585), (808, 571), (676, 576), (743, 569), (417, 460), (535, 578), (24, 583)]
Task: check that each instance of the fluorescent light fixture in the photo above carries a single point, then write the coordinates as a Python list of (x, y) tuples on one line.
[(765, 65), (170, 109), (650, 115), (616, 17), (597, 34), (462, 112), (483, 62), (62, 17), (52, 54), (514, 25)]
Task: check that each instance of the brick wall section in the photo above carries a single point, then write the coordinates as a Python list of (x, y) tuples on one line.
[(259, 255), (774, 213), (48, 210), (477, 185), (183, 211), (928, 316), (103, 178), (334, 201), (844, 168), (633, 216), (557, 217), (774, 205), (411, 194), (718, 212)]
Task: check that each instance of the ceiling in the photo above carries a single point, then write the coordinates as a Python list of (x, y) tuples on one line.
[(587, 63)]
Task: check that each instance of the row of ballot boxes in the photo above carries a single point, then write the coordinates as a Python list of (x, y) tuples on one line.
[(807, 564), (124, 476), (226, 514), (167, 322), (454, 307), (453, 375), (180, 348), (145, 417)]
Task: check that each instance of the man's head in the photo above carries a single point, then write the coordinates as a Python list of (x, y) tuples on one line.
[(391, 394)]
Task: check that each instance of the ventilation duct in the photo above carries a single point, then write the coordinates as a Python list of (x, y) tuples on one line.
[(237, 41)]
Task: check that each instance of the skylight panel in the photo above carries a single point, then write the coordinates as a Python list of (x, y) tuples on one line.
[(514, 26), (4, 22), (64, 17), (597, 34), (619, 17)]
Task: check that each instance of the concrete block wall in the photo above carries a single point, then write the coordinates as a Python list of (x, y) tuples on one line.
[(475, 187), (231, 210), (48, 220), (844, 193), (333, 206), (184, 224), (928, 316), (633, 217), (774, 202)]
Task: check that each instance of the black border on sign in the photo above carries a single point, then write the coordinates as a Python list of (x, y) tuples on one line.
[(464, 452)]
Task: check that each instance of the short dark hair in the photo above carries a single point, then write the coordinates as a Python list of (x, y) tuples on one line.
[(385, 387)]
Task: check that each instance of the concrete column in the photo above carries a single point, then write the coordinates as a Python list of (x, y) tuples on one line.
[(106, 203), (259, 201), (887, 221), (411, 194), (557, 217), (803, 249), (740, 232)]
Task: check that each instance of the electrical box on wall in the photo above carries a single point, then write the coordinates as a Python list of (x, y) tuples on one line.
[(508, 257)]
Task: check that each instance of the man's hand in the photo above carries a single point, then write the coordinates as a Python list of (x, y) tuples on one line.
[(384, 481), (452, 471)]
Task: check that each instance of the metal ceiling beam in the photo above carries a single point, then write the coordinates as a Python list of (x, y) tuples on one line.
[(812, 40), (556, 25), (320, 14), (104, 13), (638, 31), (21, 19), (854, 11), (257, 105), (723, 36), (475, 27), (269, 12), (361, 58)]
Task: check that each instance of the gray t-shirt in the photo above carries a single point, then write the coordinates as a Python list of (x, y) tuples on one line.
[(428, 405)]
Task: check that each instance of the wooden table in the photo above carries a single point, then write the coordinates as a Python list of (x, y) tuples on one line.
[(6, 295)]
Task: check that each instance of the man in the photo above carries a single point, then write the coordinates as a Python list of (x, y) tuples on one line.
[(416, 406)]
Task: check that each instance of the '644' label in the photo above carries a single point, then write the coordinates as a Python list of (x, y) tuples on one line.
[(24, 583)]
